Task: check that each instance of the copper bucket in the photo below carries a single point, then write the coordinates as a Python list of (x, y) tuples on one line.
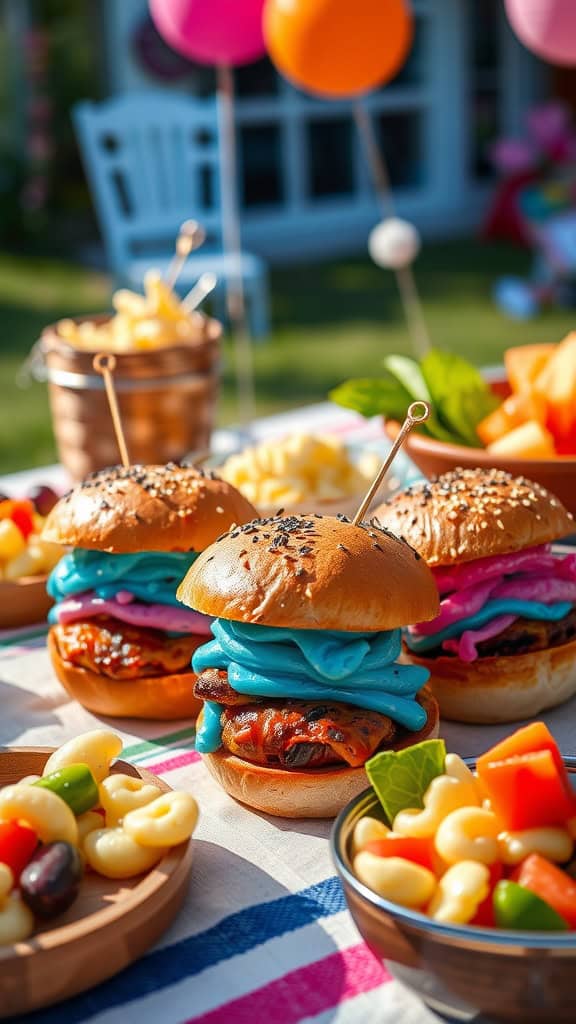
[(167, 399)]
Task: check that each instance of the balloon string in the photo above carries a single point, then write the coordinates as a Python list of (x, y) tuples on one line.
[(405, 279), (235, 298)]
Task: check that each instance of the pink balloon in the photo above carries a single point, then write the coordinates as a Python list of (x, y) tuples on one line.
[(546, 27), (212, 31)]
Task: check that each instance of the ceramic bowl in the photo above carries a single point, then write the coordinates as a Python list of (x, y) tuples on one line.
[(435, 457), (23, 602), (524, 977)]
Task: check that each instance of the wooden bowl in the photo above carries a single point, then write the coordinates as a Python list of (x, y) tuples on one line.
[(435, 457), (110, 925), (459, 970), (24, 601)]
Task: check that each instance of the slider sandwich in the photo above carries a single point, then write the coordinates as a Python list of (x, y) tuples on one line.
[(503, 647), (120, 643), (301, 682)]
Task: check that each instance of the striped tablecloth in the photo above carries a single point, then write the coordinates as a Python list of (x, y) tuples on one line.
[(264, 934)]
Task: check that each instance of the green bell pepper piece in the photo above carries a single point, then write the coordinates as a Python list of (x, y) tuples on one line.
[(520, 909), (75, 785)]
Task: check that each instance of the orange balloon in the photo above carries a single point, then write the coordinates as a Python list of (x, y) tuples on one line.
[(338, 47)]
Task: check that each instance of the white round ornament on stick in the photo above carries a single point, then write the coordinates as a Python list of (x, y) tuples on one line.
[(394, 243)]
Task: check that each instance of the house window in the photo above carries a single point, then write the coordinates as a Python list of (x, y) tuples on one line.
[(485, 82), (261, 165), (299, 151), (330, 157), (400, 137)]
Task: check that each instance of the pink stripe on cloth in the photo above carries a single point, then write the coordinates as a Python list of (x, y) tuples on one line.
[(306, 991), (171, 764)]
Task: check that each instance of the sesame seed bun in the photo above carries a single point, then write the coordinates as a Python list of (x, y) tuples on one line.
[(473, 513), (146, 508), (501, 689), (312, 572), (168, 697), (295, 793)]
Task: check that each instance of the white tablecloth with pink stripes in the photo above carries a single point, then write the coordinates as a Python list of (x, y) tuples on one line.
[(264, 933)]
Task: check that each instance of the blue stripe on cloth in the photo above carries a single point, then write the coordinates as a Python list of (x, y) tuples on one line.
[(238, 933)]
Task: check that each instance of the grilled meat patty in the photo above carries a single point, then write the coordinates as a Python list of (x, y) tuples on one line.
[(121, 651), (294, 733), (523, 637)]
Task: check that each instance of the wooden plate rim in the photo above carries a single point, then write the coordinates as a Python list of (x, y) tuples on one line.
[(176, 864)]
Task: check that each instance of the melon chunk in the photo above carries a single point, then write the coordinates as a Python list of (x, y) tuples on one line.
[(556, 385), (514, 411), (524, 364), (529, 441)]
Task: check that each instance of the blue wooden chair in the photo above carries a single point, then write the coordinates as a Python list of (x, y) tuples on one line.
[(152, 161)]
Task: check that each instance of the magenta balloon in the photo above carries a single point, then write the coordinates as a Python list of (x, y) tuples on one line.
[(212, 31), (546, 27)]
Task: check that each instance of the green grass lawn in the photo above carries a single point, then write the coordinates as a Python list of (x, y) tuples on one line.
[(331, 321)]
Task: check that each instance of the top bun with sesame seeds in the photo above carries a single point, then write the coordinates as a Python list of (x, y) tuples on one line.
[(312, 572), (468, 514), (146, 508)]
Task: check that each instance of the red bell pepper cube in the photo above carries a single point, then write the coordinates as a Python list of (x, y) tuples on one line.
[(528, 791), (527, 740), (420, 851), (23, 515), (17, 844)]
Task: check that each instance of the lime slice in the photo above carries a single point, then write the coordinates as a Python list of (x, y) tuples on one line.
[(401, 777)]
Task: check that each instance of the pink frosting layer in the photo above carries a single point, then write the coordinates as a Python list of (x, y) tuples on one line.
[(546, 583), (465, 646), (155, 616), (531, 575), (457, 577)]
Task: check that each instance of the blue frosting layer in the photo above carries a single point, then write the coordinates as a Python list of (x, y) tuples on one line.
[(152, 576), (309, 664), (491, 610)]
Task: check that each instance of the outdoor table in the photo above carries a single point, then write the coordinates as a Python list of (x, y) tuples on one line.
[(264, 933)]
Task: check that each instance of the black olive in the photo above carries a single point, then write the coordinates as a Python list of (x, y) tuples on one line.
[(50, 881)]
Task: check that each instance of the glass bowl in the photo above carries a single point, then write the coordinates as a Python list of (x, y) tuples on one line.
[(458, 969)]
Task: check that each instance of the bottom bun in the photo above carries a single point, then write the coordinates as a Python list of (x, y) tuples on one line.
[(299, 794), (162, 697), (507, 689)]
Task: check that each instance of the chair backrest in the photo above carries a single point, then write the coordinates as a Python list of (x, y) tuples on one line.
[(152, 161)]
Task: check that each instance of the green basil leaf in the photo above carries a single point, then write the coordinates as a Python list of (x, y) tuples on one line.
[(460, 395), (407, 371), (409, 374), (373, 396)]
